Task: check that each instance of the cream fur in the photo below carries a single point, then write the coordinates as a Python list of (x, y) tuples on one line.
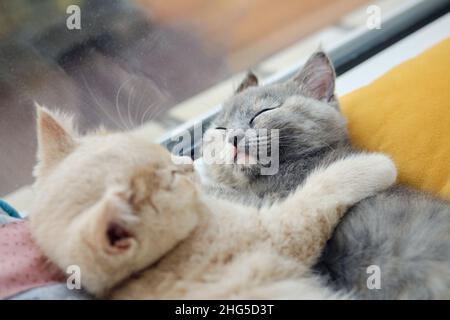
[(170, 240)]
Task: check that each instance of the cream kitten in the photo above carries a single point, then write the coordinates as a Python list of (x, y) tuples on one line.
[(138, 225)]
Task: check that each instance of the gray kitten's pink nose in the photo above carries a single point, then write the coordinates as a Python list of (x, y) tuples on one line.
[(235, 136)]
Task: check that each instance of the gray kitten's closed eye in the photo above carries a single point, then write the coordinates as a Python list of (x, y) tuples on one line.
[(259, 113)]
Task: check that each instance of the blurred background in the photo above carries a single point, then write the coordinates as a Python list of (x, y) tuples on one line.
[(132, 62)]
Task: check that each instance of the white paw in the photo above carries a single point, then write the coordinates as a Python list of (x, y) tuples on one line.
[(352, 179), (380, 170), (361, 175)]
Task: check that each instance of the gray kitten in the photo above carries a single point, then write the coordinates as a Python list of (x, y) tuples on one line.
[(403, 232)]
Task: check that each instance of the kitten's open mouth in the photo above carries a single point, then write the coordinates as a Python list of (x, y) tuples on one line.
[(118, 236)]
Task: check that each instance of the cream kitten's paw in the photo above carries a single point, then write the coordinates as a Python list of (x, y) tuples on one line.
[(353, 178), (379, 169), (369, 173)]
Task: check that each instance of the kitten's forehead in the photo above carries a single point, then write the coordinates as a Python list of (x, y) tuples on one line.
[(124, 146), (245, 104), (260, 96), (114, 158)]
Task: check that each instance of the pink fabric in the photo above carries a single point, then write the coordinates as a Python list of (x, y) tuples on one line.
[(23, 266)]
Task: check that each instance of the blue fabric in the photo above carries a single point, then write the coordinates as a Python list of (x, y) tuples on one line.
[(5, 218), (52, 292), (10, 211)]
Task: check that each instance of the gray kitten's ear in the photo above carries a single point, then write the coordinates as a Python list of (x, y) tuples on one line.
[(250, 80), (317, 78)]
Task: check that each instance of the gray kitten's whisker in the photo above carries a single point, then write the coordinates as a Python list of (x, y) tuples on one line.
[(257, 141)]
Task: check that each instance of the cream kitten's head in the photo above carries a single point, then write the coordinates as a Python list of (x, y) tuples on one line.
[(112, 204)]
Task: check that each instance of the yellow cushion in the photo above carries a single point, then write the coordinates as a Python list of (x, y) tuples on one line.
[(406, 114)]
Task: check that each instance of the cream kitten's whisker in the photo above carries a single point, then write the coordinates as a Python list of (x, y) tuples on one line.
[(163, 97), (144, 114), (138, 110), (154, 113), (117, 101), (98, 103), (130, 95), (148, 113)]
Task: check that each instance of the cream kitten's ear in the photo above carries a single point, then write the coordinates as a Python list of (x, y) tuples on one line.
[(56, 139), (109, 224)]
